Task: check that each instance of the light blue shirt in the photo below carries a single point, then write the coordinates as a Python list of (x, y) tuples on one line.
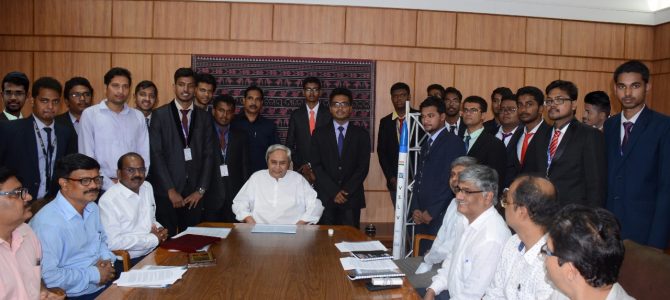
[(71, 246), (337, 131), (41, 158)]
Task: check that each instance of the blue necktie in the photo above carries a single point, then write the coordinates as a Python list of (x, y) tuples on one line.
[(340, 140), (467, 143)]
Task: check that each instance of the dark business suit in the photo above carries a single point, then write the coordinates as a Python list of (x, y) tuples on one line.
[(169, 169), (432, 192), (335, 173), (3, 117), (388, 148), (65, 120), (531, 164), (491, 126), (461, 128), (490, 151), (222, 190), (579, 166), (299, 138), (19, 151), (638, 182)]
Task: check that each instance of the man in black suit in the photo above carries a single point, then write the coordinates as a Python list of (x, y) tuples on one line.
[(231, 162), (33, 145), (572, 153), (509, 120), (301, 126), (388, 137), (485, 147), (78, 94), (341, 159), (491, 126), (522, 156), (181, 139), (146, 96), (432, 194), (14, 93), (452, 101)]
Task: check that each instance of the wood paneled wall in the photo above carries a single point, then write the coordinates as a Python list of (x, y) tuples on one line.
[(473, 52)]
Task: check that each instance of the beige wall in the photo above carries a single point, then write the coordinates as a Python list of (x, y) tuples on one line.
[(474, 52)]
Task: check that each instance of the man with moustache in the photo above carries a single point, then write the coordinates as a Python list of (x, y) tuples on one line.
[(509, 120), (78, 94), (182, 147), (14, 94), (128, 212), (34, 144), (146, 96), (205, 86), (75, 256), (596, 109), (262, 132), (111, 128), (452, 101), (491, 126)]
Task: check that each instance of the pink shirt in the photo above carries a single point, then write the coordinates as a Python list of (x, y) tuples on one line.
[(20, 276)]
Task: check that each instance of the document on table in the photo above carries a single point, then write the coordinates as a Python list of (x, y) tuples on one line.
[(206, 231), (269, 228), (151, 277), (360, 246), (352, 263)]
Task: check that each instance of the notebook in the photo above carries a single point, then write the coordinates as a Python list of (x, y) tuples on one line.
[(189, 243)]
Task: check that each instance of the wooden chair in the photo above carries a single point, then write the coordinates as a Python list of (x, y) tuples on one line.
[(126, 258), (417, 239)]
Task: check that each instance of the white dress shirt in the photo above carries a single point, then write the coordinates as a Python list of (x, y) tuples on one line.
[(270, 201), (41, 158), (519, 144), (75, 122), (622, 130), (127, 218), (438, 251), (499, 135), (616, 293), (106, 135), (472, 258), (521, 273)]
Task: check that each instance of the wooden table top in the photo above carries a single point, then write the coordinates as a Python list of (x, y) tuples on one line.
[(249, 265)]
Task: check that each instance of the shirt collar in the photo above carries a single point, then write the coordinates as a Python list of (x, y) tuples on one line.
[(103, 105), (126, 192), (475, 134), (179, 107), (634, 118), (394, 115), (481, 220), (437, 133), (531, 255), (68, 211), (501, 131), (18, 236), (11, 117), (72, 117), (345, 125), (458, 123), (315, 109), (534, 128), (40, 124)]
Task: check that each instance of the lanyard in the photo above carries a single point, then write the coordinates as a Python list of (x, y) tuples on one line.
[(48, 155), (224, 151)]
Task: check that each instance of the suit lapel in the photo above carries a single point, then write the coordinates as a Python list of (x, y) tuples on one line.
[(31, 143), (322, 115), (635, 133), (569, 134), (479, 143), (177, 122)]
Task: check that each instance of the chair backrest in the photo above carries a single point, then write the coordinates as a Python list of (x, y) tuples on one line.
[(645, 272), (417, 239)]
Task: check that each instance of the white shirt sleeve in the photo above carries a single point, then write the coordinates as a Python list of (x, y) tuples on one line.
[(313, 207), (243, 204), (113, 219), (442, 243)]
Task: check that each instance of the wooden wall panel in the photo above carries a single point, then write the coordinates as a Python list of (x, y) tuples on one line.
[(661, 67), (381, 26), (661, 93), (300, 23), (250, 21), (162, 74), (436, 29), (379, 208), (132, 18), (427, 74), (388, 73), (539, 78), (489, 32), (662, 41), (592, 39), (591, 81), (481, 81), (73, 17), (542, 36), (191, 20), (17, 61), (638, 42), (16, 16), (139, 66)]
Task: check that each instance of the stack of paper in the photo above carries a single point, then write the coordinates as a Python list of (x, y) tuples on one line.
[(376, 263), (360, 246), (206, 231), (151, 276), (270, 228)]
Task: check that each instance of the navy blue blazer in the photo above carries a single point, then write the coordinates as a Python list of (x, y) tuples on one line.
[(638, 182)]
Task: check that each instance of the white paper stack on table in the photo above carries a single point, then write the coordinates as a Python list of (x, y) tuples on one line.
[(151, 276), (373, 262), (206, 231)]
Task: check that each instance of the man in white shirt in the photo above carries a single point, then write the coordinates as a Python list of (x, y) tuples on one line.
[(277, 195), (476, 241), (584, 253), (530, 205), (111, 128), (128, 211)]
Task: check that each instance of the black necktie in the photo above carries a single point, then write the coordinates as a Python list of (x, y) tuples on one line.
[(47, 159)]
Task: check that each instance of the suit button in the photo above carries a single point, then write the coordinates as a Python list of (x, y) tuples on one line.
[(339, 168)]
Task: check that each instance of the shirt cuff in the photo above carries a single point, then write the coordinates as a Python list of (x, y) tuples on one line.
[(438, 286), (93, 275)]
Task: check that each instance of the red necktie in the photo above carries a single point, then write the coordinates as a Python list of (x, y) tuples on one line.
[(554, 143), (312, 121), (184, 121), (401, 123), (524, 147)]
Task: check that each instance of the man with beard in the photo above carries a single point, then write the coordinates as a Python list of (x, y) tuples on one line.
[(509, 120), (146, 96), (452, 101), (491, 126), (262, 132), (78, 96), (596, 109), (75, 256), (205, 86), (14, 93)]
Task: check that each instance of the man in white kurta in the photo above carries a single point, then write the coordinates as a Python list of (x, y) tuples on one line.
[(277, 195)]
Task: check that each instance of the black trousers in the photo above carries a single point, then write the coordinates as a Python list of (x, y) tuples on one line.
[(338, 215), (176, 220)]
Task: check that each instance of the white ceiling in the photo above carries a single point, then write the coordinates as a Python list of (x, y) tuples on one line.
[(642, 12)]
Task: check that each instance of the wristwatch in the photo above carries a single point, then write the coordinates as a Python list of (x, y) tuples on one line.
[(201, 191)]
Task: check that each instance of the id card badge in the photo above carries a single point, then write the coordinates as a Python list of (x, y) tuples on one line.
[(224, 170), (187, 154)]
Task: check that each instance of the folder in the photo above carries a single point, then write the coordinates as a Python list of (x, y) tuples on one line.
[(189, 243)]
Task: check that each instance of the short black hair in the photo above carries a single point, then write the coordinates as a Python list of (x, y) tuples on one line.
[(564, 85), (254, 88), (6, 173), (17, 78), (46, 83), (632, 66), (75, 81), (510, 97), (311, 79), (206, 78), (119, 163), (453, 90), (590, 238), (144, 84), (117, 71), (479, 100), (225, 98), (436, 86), (184, 72), (434, 101), (341, 91), (503, 91), (533, 91), (541, 206), (600, 100), (400, 86), (72, 162)]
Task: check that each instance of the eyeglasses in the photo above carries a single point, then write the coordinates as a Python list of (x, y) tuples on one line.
[(458, 189), (340, 104), (470, 110), (545, 252), (557, 101), (528, 104), (312, 90), (18, 94), (20, 193), (503, 198), (78, 95), (508, 110), (132, 171), (87, 180)]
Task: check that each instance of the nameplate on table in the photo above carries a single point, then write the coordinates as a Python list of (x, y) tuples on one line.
[(273, 228)]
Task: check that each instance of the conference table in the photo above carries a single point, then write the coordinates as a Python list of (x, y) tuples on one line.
[(304, 265)]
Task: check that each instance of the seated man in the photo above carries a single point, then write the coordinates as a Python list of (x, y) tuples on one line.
[(75, 256), (128, 211), (476, 240), (583, 254), (277, 195), (530, 205)]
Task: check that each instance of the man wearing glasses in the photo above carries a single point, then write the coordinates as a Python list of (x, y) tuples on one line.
[(14, 94), (75, 256), (509, 120), (497, 96), (128, 212), (78, 94)]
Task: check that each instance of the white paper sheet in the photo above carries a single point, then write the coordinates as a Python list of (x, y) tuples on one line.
[(151, 277), (270, 228), (351, 263), (206, 231), (360, 246)]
